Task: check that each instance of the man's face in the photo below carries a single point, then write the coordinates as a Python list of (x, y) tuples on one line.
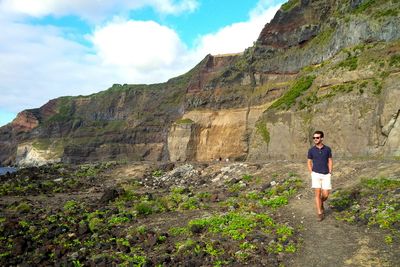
[(317, 139)]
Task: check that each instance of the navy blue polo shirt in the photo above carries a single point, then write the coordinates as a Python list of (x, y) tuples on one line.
[(320, 158)]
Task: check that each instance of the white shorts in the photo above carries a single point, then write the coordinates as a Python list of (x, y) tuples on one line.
[(319, 180)]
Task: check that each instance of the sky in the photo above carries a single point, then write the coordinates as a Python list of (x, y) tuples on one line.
[(53, 48)]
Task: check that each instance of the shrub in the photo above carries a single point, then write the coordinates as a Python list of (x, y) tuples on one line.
[(350, 63), (289, 98), (184, 121), (289, 5), (394, 61), (263, 131), (144, 208), (95, 224)]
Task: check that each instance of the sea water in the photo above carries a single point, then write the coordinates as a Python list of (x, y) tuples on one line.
[(4, 170)]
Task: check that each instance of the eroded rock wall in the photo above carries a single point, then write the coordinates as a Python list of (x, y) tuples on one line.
[(213, 135)]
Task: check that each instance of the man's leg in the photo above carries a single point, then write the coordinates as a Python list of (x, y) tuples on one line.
[(324, 197), (318, 201)]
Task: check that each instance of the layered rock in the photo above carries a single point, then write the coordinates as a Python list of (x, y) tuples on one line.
[(244, 106), (213, 135), (358, 110)]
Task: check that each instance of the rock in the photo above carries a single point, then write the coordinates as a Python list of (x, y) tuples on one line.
[(151, 239), (83, 228), (196, 228), (214, 197), (110, 194), (19, 245), (265, 187)]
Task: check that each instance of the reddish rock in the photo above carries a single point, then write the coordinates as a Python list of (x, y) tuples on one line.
[(210, 66), (25, 121)]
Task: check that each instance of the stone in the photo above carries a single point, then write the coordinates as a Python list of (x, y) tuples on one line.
[(110, 194)]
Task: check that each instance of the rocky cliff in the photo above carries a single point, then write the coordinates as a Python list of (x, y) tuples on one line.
[(332, 65)]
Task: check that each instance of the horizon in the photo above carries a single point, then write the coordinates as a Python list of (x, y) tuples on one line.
[(59, 48)]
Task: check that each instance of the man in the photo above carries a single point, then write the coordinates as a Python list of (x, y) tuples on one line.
[(320, 166)]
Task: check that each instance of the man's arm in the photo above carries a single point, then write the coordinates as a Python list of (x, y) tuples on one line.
[(309, 164), (330, 165)]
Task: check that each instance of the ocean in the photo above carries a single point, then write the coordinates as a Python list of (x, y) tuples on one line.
[(4, 170)]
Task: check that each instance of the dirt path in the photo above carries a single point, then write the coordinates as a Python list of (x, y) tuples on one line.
[(336, 243), (333, 243)]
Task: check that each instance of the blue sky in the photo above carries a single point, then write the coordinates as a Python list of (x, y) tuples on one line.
[(52, 48)]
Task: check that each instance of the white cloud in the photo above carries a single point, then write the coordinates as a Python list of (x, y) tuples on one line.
[(238, 36), (38, 63), (92, 10), (144, 45)]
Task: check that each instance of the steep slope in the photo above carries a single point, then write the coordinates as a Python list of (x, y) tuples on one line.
[(332, 65)]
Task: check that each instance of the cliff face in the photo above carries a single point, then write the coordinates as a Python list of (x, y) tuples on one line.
[(332, 65)]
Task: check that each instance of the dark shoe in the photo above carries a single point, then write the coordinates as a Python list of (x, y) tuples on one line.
[(320, 217)]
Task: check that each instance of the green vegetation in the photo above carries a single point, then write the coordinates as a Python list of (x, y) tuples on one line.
[(55, 178), (395, 61), (289, 5), (64, 110), (350, 63), (262, 129), (322, 38), (157, 173), (289, 98), (387, 13), (377, 86), (374, 203), (364, 6), (117, 231), (184, 121)]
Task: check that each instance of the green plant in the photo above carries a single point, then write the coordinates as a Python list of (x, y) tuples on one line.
[(157, 173), (70, 205), (162, 238), (95, 224), (247, 177), (289, 5), (253, 195), (117, 220), (177, 231), (262, 129), (141, 229), (275, 201), (350, 63), (395, 61), (144, 208), (233, 224), (23, 207), (289, 98), (322, 38), (247, 246), (203, 195), (211, 250), (388, 239), (77, 263), (275, 247), (192, 203), (291, 248), (185, 245), (184, 121), (380, 183), (341, 200)]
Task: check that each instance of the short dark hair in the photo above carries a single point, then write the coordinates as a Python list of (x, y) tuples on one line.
[(321, 133)]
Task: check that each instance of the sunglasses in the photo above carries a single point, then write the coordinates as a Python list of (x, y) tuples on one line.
[(316, 137)]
